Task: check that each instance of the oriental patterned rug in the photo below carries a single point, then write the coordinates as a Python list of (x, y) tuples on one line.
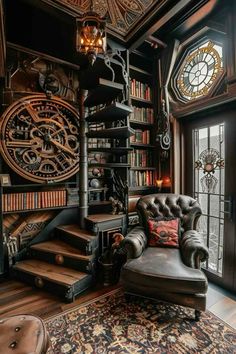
[(111, 325)]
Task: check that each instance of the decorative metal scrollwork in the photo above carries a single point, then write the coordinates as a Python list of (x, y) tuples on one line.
[(120, 190), (115, 56), (163, 128)]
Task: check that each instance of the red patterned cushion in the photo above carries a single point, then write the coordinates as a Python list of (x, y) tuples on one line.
[(163, 233)]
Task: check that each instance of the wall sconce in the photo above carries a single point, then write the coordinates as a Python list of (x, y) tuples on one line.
[(91, 35), (159, 184)]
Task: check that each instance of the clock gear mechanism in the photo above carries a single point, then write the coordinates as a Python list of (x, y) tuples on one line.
[(40, 138)]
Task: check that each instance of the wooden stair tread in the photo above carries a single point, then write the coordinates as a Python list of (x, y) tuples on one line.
[(74, 230), (95, 218), (59, 247), (116, 133), (115, 111), (51, 272), (104, 91)]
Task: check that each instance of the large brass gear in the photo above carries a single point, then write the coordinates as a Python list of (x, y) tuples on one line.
[(40, 138)]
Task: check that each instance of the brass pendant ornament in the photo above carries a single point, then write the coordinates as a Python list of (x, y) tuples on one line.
[(199, 71), (40, 138)]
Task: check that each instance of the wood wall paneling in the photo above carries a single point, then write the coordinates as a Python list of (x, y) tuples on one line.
[(2, 42)]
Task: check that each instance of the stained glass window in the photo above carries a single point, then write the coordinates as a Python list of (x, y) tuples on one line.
[(209, 184), (201, 67)]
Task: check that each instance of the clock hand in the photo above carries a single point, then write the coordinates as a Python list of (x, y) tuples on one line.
[(29, 123), (19, 143), (32, 113), (62, 147), (33, 144)]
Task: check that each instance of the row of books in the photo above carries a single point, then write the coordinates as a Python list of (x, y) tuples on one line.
[(140, 158), (140, 136), (95, 109), (142, 114), (34, 200), (95, 143), (142, 178), (140, 90), (97, 126)]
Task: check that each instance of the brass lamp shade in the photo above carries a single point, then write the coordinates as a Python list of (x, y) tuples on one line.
[(91, 35)]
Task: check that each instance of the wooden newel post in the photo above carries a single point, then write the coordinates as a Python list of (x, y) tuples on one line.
[(83, 162)]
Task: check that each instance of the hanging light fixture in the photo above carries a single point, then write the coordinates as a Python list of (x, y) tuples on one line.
[(91, 35)]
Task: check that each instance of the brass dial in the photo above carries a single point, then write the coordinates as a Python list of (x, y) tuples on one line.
[(199, 71), (40, 138)]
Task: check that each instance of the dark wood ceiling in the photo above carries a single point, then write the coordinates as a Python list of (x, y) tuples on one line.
[(122, 15), (50, 26)]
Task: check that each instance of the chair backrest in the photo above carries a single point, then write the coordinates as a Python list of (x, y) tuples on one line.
[(169, 205)]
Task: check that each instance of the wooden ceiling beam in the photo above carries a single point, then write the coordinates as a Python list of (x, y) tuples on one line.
[(156, 41), (184, 25), (162, 21)]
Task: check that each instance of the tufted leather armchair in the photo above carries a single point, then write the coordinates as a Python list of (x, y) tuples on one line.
[(171, 274), (24, 334)]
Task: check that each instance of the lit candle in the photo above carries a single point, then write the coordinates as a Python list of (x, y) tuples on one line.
[(159, 183)]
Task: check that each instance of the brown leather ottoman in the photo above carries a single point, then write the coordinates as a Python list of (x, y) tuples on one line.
[(23, 334)]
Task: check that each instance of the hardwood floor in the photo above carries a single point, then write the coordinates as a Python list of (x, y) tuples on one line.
[(222, 303), (19, 298)]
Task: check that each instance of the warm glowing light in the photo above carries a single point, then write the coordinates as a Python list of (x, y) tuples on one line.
[(91, 35), (166, 181), (159, 183)]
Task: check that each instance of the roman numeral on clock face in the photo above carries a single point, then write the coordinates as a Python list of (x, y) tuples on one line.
[(190, 88), (186, 80), (211, 66)]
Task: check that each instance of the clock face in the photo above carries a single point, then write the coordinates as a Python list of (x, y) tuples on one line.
[(40, 138), (199, 71)]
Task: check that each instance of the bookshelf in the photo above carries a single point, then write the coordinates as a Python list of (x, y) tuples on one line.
[(26, 209), (34, 197), (143, 158)]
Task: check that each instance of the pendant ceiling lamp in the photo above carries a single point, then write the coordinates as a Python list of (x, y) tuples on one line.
[(91, 35)]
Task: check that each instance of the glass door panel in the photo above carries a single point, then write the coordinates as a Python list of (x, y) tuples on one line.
[(209, 178)]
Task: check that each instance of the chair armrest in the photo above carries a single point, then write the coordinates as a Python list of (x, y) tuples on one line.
[(135, 242), (193, 249)]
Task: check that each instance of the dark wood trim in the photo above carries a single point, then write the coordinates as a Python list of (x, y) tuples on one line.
[(162, 21), (211, 103), (189, 41), (152, 39), (42, 55), (198, 12), (232, 80), (142, 55), (2, 42), (230, 45), (59, 6), (73, 12), (149, 16)]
